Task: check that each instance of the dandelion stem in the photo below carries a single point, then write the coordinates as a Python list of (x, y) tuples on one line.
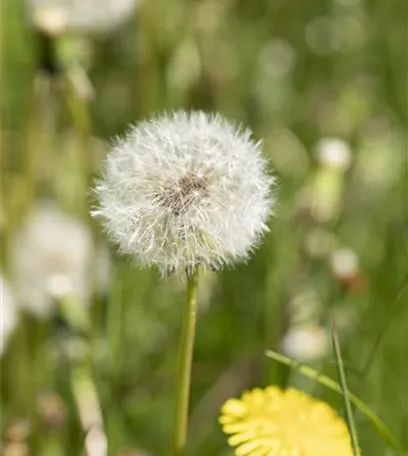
[(184, 366), (81, 118)]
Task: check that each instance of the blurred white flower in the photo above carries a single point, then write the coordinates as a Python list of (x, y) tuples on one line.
[(334, 153), (306, 342), (57, 16), (50, 17), (344, 263), (183, 190), (8, 313), (50, 259)]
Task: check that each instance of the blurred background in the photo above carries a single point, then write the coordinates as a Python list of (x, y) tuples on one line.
[(88, 340)]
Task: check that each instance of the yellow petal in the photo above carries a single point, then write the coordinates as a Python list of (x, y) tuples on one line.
[(234, 407), (257, 444)]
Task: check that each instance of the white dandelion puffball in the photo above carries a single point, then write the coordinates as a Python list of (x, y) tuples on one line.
[(8, 313), (57, 16), (50, 259), (183, 190)]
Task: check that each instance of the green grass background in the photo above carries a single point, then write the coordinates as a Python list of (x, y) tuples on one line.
[(342, 72)]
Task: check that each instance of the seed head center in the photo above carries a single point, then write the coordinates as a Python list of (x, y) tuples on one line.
[(180, 195)]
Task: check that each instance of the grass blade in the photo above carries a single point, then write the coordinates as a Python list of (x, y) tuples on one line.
[(343, 383)]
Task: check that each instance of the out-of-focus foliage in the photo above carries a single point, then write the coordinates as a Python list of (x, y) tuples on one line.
[(304, 76)]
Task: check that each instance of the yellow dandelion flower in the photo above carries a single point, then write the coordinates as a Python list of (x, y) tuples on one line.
[(275, 422)]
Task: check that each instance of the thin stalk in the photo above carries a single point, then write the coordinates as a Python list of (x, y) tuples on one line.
[(343, 383), (78, 105), (114, 333), (75, 315), (83, 386), (81, 118), (89, 409), (184, 367)]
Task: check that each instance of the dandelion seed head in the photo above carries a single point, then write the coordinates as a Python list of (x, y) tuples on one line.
[(49, 258), (277, 422), (183, 190), (57, 16)]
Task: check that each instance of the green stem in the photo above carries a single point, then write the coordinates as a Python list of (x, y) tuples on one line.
[(184, 367), (81, 119), (83, 386), (343, 383), (79, 109), (87, 402)]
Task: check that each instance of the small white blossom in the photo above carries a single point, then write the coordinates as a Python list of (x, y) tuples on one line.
[(50, 259), (344, 263), (306, 342), (8, 313), (334, 153), (183, 190), (58, 16)]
